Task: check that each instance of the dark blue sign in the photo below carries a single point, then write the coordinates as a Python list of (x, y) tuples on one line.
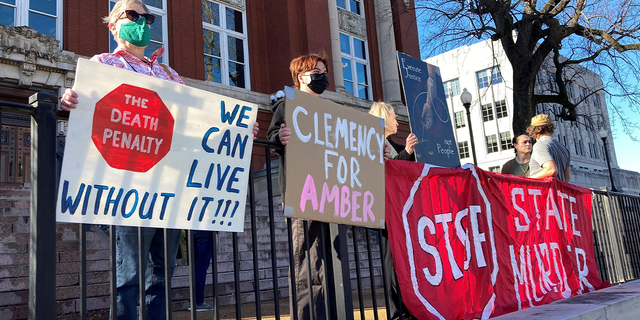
[(428, 112)]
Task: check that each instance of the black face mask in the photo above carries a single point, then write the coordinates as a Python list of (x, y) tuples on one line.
[(319, 82)]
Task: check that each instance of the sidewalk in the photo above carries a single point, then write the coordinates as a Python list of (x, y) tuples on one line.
[(248, 311)]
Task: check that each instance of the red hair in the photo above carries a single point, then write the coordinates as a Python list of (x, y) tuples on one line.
[(305, 63)]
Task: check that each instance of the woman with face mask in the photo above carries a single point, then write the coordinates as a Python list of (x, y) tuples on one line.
[(129, 22)]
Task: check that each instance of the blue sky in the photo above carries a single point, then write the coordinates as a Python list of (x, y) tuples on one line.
[(627, 150)]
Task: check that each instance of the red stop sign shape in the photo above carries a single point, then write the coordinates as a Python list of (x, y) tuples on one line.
[(132, 128)]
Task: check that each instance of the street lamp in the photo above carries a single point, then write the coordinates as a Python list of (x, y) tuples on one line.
[(465, 97), (604, 133)]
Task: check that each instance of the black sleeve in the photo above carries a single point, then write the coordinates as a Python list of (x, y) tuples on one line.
[(507, 168), (402, 152), (276, 120)]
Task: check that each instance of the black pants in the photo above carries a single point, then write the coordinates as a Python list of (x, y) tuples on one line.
[(395, 308), (319, 246)]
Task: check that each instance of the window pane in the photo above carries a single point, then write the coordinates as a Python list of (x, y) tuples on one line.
[(211, 12), (455, 87), (362, 73), (234, 20), (354, 6), (212, 43), (348, 86), (42, 24), (156, 29), (151, 48), (7, 16), (346, 69), (363, 92), (496, 76), (212, 70), (45, 6), (358, 48), (236, 74), (154, 3), (236, 49), (341, 4), (344, 44)]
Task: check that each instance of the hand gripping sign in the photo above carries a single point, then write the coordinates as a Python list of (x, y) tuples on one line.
[(132, 128)]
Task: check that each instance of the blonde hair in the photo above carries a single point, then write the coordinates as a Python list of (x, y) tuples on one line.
[(382, 110), (119, 8)]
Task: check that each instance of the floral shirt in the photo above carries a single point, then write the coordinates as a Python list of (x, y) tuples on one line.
[(125, 60)]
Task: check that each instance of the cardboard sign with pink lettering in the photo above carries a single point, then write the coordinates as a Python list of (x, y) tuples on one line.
[(335, 165)]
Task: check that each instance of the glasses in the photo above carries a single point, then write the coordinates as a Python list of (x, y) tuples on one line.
[(134, 16)]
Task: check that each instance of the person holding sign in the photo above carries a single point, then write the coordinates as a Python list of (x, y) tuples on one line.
[(129, 22), (309, 73), (398, 152)]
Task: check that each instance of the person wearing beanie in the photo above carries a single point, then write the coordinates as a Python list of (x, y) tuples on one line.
[(549, 158)]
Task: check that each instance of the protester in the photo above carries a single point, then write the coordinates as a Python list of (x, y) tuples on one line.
[(519, 165), (398, 152), (550, 158), (309, 73), (129, 22)]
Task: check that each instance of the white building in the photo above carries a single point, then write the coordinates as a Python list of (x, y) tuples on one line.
[(484, 70)]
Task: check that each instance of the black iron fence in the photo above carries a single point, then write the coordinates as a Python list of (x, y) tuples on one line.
[(616, 235), (356, 267)]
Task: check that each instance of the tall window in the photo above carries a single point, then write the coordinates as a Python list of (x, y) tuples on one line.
[(488, 77), (487, 112), (460, 119), (501, 109), (596, 100), (41, 15), (225, 45), (452, 88), (495, 169), (583, 92), (355, 66), (492, 143), (159, 37), (354, 6), (569, 86), (463, 149), (505, 140)]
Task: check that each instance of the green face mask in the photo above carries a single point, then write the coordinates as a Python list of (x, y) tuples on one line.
[(136, 32)]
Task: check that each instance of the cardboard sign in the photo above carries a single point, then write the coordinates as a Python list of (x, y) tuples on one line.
[(335, 165), (429, 115), (152, 153)]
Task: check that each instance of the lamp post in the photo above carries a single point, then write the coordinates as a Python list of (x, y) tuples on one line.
[(603, 135), (465, 97)]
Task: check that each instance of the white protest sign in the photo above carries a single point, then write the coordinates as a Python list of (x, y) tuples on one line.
[(147, 152)]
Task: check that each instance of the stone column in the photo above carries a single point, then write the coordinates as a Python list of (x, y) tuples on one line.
[(387, 50), (334, 28)]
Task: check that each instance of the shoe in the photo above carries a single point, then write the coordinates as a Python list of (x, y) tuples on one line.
[(203, 307)]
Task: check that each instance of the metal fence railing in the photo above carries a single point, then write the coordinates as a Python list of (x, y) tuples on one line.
[(257, 262), (616, 235)]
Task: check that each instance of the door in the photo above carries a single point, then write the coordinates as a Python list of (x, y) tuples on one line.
[(15, 154)]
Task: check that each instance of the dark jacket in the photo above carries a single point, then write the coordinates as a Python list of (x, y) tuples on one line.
[(402, 152), (507, 168), (272, 135)]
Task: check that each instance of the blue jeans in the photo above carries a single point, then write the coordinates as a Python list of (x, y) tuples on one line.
[(127, 266), (203, 247)]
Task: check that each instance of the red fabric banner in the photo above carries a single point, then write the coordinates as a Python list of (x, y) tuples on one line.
[(471, 244)]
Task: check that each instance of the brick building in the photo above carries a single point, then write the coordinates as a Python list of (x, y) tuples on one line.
[(236, 48)]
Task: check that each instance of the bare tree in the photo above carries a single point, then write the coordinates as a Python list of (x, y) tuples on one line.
[(602, 35)]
